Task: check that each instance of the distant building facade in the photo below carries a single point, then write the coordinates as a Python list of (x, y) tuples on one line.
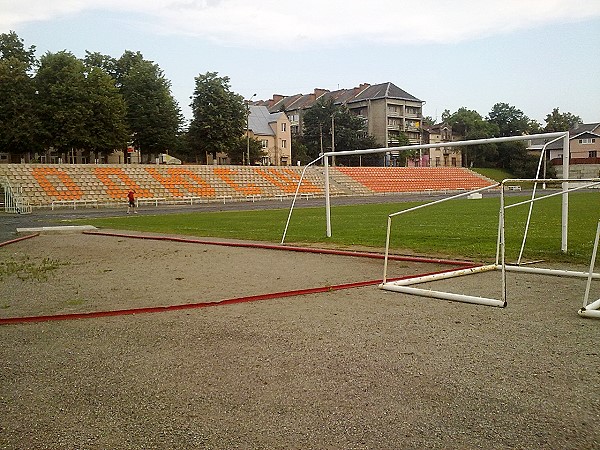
[(273, 131), (442, 156), (388, 110), (584, 152)]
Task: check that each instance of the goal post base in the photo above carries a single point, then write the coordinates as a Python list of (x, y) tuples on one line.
[(591, 310), (443, 295)]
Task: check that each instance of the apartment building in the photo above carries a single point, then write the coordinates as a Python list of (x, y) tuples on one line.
[(273, 130), (387, 110)]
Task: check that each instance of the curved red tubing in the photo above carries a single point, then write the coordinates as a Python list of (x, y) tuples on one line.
[(12, 241), (290, 248), (231, 301)]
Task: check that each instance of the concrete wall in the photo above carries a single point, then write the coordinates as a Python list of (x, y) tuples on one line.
[(580, 171)]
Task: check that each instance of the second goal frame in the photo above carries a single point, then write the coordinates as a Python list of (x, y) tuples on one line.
[(405, 286)]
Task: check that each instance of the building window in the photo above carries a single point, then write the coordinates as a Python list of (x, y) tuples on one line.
[(264, 143), (592, 154), (283, 143), (587, 141), (453, 161), (284, 127)]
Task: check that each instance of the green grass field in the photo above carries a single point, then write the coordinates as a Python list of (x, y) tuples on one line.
[(458, 228)]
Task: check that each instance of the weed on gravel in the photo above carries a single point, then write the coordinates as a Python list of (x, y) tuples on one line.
[(26, 269)]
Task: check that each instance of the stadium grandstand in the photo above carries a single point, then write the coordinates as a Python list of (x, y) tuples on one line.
[(73, 185)]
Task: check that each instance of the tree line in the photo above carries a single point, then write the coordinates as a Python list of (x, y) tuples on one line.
[(60, 103), (503, 120)]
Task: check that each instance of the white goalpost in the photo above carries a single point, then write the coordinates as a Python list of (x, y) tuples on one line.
[(551, 137), (407, 285), (591, 309)]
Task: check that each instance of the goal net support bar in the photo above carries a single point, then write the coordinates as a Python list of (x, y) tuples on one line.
[(405, 286)]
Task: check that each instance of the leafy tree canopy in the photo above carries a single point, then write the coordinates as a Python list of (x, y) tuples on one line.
[(219, 115), (237, 152), (19, 125), (349, 129), (471, 125), (153, 115), (13, 48), (509, 120), (557, 121), (63, 106), (107, 129)]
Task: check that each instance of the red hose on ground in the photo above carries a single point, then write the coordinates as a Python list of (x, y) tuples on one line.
[(288, 248), (12, 241), (230, 301)]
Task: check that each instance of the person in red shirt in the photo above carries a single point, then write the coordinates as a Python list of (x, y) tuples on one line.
[(131, 199)]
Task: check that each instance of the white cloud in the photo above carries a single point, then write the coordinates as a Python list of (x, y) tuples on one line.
[(294, 24)]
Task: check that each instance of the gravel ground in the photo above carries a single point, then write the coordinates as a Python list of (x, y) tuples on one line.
[(352, 369)]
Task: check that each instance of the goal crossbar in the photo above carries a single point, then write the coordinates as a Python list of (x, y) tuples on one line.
[(549, 137)]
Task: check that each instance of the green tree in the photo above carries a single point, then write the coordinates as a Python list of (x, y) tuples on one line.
[(219, 115), (104, 62), (406, 155), (428, 121), (513, 156), (349, 130), (64, 107), (535, 127), (512, 122), (19, 124), (153, 116), (237, 152), (106, 126), (471, 125), (299, 150), (509, 120), (557, 121), (12, 47)]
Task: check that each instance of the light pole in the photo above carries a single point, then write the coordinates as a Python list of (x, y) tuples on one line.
[(321, 137), (333, 138), (248, 129)]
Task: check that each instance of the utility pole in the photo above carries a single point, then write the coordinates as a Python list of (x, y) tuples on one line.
[(248, 129), (333, 138)]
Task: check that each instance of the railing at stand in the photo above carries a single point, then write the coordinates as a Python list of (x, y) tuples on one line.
[(14, 200)]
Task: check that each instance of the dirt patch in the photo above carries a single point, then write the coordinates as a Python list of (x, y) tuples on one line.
[(358, 368)]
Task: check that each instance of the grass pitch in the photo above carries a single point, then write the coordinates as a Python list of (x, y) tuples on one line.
[(459, 228)]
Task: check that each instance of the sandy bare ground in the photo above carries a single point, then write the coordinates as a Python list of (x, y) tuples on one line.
[(352, 369)]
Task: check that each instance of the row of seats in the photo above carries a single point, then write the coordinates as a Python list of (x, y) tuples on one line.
[(415, 179), (44, 185)]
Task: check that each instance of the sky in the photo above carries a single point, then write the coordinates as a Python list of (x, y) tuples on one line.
[(535, 55)]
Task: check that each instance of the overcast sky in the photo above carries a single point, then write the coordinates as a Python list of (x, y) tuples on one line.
[(535, 55)]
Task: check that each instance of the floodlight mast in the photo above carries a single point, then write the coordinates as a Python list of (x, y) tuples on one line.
[(565, 185)]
